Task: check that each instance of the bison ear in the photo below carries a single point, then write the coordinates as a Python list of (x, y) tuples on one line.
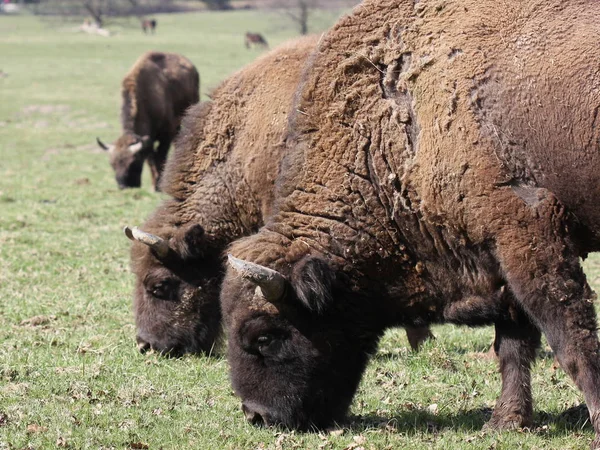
[(195, 240), (191, 242), (313, 282)]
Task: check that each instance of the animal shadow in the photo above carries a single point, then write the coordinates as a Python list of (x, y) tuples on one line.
[(550, 424)]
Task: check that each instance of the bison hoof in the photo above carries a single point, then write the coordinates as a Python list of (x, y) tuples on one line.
[(506, 422), (595, 444)]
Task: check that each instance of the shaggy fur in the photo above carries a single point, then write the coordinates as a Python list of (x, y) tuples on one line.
[(221, 181), (156, 93), (443, 167)]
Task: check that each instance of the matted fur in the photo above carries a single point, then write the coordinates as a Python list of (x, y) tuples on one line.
[(444, 163), (221, 180)]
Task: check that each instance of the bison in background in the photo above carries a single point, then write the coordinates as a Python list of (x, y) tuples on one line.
[(221, 180), (255, 39), (148, 25), (443, 166), (156, 92)]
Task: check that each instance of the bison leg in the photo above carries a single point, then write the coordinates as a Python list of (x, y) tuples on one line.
[(416, 336), (541, 265), (515, 345), (157, 161)]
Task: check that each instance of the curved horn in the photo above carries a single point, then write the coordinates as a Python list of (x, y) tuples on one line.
[(156, 243), (271, 282), (134, 148), (102, 145)]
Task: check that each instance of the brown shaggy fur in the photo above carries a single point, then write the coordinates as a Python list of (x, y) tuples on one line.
[(156, 92), (221, 179), (443, 167)]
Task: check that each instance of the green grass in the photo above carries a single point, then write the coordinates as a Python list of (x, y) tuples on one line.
[(70, 375)]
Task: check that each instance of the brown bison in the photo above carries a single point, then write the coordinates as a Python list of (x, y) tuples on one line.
[(156, 92), (148, 25), (443, 166), (255, 39), (220, 178)]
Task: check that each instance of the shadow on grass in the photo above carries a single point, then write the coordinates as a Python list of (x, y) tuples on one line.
[(475, 352), (549, 424)]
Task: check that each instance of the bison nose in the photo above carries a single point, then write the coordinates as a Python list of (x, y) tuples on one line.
[(143, 346), (253, 417)]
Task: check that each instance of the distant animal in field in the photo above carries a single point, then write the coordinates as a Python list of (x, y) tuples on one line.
[(149, 25), (255, 39), (156, 92), (442, 165)]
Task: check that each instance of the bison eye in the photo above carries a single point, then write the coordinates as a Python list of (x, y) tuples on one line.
[(264, 340), (268, 345), (164, 290)]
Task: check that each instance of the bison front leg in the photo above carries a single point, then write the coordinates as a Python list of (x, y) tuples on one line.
[(417, 336), (541, 265), (157, 162), (515, 346)]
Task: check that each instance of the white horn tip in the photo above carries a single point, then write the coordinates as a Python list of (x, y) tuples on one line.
[(243, 268)]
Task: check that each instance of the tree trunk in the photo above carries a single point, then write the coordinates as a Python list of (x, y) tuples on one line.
[(96, 13), (303, 17)]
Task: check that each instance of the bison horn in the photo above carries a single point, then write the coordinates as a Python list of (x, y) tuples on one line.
[(156, 243), (134, 148), (103, 146), (270, 282)]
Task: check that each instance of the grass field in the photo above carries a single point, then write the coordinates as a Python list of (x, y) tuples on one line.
[(70, 374)]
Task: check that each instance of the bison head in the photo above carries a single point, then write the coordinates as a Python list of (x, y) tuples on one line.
[(295, 346), (127, 157), (176, 299)]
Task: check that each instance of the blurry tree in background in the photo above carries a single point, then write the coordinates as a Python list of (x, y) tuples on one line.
[(298, 11), (217, 4), (98, 10), (301, 11)]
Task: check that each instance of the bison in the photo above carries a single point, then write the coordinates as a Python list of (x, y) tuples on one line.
[(443, 165), (148, 25), (156, 92), (255, 39), (220, 179)]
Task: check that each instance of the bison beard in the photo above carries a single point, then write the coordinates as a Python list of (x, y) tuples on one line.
[(440, 170)]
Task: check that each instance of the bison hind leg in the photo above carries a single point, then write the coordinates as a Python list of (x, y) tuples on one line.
[(515, 346)]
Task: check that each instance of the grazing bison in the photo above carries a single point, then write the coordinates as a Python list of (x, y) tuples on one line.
[(148, 25), (221, 179), (156, 92), (255, 39), (443, 166)]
